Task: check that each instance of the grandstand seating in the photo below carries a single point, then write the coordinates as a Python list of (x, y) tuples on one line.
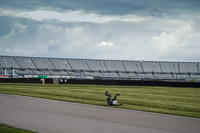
[(188, 67), (96, 65), (78, 65), (25, 62), (60, 64), (114, 65), (82, 68), (169, 67), (151, 66), (43, 63), (133, 66), (8, 62)]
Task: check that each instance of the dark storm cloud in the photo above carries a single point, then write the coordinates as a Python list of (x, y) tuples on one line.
[(106, 7), (7, 23), (128, 29), (109, 40)]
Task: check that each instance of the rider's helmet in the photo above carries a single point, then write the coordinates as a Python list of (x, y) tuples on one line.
[(115, 102)]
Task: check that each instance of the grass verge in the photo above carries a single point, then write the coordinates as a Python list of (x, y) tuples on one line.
[(166, 100), (8, 129)]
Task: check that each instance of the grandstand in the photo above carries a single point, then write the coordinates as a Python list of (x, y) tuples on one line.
[(33, 67)]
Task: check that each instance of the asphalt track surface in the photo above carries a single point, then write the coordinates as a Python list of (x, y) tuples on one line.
[(52, 116)]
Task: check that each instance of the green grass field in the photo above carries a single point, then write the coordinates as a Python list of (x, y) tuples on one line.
[(166, 100), (8, 129)]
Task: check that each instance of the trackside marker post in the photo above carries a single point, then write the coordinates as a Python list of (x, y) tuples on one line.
[(42, 78)]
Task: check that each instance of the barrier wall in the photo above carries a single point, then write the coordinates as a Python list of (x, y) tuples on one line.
[(103, 82), (25, 80), (133, 83)]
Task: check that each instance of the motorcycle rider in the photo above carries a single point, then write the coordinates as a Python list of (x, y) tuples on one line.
[(111, 101)]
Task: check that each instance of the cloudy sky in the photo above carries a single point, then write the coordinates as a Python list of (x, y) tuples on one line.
[(154, 30)]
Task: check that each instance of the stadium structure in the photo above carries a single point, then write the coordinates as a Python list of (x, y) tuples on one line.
[(56, 68)]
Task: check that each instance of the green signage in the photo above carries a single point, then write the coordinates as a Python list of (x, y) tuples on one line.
[(42, 77)]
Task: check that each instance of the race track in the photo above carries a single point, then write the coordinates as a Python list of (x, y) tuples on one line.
[(51, 116)]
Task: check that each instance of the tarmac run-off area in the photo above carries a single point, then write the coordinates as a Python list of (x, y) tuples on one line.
[(52, 116)]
